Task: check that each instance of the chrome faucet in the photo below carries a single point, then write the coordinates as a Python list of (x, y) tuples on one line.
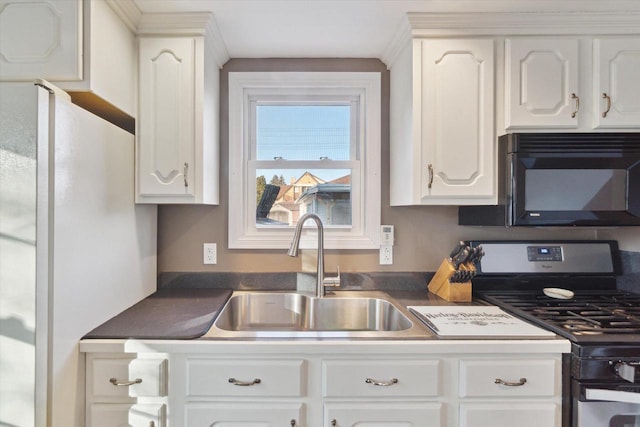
[(321, 282)]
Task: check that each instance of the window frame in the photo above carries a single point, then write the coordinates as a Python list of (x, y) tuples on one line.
[(247, 87)]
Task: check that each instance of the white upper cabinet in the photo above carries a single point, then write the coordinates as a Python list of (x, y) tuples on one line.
[(84, 47), (541, 82), (616, 68), (177, 145), (442, 123), (574, 83), (54, 51)]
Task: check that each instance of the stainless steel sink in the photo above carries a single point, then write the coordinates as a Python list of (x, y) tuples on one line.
[(343, 314)]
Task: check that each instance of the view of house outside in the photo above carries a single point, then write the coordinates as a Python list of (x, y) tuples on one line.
[(303, 133)]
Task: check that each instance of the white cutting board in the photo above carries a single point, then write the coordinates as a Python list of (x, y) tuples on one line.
[(476, 321)]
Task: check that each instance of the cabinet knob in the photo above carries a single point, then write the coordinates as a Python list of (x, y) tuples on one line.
[(293, 423), (334, 422), (519, 383), (577, 99), (606, 111)]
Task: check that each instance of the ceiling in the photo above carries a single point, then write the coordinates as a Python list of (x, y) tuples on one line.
[(338, 28)]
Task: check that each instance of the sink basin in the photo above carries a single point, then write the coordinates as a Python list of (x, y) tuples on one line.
[(293, 315)]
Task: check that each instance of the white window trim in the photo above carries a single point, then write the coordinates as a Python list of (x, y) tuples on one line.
[(243, 233)]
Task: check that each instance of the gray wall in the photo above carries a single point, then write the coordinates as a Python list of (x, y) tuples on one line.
[(423, 234)]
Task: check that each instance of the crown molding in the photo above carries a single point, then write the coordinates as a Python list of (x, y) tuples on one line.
[(128, 11), (187, 24), (461, 24)]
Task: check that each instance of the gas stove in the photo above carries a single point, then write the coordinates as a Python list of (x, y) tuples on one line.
[(601, 375)]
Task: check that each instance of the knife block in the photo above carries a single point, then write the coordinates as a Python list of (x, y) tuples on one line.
[(441, 286)]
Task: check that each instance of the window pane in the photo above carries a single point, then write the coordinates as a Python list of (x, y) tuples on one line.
[(283, 196), (303, 132)]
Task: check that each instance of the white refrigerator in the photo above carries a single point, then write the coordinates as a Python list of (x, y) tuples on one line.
[(74, 248)]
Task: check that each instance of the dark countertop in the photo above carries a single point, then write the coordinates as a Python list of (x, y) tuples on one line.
[(186, 305), (166, 314)]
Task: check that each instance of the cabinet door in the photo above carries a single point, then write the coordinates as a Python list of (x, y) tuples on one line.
[(458, 121), (616, 65), (245, 415), (541, 80), (126, 415), (40, 39), (383, 414), (510, 414), (166, 130)]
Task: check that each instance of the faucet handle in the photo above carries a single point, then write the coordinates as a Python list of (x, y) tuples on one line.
[(333, 282)]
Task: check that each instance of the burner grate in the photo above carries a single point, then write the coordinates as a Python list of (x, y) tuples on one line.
[(584, 315)]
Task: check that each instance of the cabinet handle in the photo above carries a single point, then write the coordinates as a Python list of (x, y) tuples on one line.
[(577, 99), (608, 98), (117, 383), (185, 170), (382, 383), (244, 383), (430, 168), (511, 383)]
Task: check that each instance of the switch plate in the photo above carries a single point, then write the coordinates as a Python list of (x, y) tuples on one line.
[(210, 253), (386, 255)]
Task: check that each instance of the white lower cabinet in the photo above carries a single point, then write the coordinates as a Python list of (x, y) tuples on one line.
[(439, 383), (507, 392), (126, 390), (249, 414), (509, 414), (122, 414), (375, 414)]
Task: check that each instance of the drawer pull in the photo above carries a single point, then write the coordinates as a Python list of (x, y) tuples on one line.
[(382, 383), (244, 383), (117, 383), (511, 383)]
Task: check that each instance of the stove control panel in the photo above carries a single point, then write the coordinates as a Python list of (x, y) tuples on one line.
[(544, 253)]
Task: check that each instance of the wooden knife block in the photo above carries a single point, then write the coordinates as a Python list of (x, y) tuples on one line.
[(441, 286)]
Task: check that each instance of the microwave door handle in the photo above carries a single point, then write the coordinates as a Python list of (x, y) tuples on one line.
[(612, 395)]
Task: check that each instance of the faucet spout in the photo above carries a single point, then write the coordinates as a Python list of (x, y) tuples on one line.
[(295, 243)]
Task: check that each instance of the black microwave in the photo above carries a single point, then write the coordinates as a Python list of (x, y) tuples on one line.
[(564, 179)]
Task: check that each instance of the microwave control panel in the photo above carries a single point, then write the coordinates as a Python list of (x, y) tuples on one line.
[(544, 253)]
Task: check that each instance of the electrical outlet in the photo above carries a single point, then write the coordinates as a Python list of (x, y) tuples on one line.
[(386, 255), (210, 253)]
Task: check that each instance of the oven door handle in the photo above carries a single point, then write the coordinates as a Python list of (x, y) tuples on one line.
[(612, 395)]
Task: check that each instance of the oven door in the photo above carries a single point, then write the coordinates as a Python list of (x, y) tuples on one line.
[(603, 407)]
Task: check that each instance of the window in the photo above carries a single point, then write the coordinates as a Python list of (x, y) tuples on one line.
[(304, 142)]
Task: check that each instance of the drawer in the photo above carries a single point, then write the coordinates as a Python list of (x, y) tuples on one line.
[(389, 378), (487, 378), (148, 378), (270, 378)]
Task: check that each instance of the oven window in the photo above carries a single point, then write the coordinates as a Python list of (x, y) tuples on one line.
[(625, 421), (575, 189)]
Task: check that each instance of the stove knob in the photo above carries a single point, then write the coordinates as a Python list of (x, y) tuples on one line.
[(625, 371)]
